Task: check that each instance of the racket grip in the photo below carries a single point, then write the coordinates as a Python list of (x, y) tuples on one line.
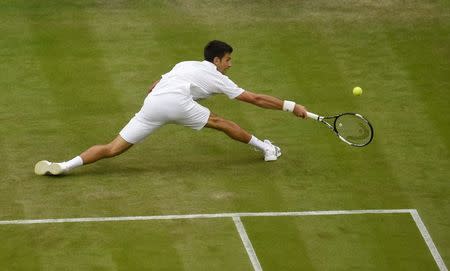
[(312, 116)]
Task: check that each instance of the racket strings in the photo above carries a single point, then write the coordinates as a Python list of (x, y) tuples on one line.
[(354, 129)]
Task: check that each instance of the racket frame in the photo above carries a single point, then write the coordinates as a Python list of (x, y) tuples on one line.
[(323, 119)]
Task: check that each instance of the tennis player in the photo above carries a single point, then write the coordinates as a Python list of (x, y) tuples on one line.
[(173, 99)]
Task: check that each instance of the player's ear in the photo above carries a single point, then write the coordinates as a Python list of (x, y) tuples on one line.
[(216, 60)]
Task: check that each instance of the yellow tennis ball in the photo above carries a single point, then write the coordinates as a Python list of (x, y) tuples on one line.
[(357, 91)]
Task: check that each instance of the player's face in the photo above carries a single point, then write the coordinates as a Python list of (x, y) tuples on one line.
[(224, 63)]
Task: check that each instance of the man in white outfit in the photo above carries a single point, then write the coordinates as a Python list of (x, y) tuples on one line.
[(172, 99)]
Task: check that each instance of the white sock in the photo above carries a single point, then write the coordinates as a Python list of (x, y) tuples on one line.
[(74, 163), (255, 142)]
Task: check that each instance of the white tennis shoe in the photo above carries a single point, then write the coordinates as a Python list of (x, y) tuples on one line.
[(45, 167), (272, 152)]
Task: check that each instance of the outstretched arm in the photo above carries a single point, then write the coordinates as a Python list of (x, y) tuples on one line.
[(270, 102)]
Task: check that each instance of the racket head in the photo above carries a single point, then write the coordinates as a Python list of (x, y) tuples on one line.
[(353, 129)]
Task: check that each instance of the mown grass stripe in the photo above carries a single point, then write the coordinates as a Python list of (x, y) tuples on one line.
[(73, 66)]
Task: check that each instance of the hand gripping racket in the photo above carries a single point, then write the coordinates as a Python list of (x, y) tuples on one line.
[(352, 128)]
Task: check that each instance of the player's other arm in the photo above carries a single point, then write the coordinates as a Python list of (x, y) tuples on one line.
[(153, 86), (270, 102)]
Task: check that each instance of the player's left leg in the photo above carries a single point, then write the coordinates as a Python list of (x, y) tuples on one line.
[(97, 152), (91, 155), (151, 116), (135, 131)]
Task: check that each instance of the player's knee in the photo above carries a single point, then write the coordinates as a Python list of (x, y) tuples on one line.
[(220, 123), (215, 122)]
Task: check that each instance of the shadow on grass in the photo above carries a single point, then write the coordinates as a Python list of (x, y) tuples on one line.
[(190, 168)]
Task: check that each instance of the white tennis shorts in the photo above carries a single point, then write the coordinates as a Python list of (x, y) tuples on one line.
[(161, 109)]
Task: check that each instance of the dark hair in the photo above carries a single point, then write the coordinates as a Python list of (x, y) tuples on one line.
[(216, 48)]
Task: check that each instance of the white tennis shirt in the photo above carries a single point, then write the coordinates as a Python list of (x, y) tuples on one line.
[(199, 79)]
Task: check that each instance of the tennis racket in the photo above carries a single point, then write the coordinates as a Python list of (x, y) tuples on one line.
[(352, 128)]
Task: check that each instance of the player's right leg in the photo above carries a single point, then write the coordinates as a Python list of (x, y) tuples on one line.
[(197, 116)]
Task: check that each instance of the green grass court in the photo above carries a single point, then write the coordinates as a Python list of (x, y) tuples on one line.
[(74, 72)]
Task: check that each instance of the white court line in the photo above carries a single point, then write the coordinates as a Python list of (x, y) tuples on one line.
[(413, 212), (247, 243), (426, 236), (194, 216)]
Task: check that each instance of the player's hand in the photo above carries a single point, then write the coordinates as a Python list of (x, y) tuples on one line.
[(300, 111)]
